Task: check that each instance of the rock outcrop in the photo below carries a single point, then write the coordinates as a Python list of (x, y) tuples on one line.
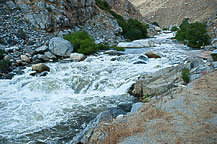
[(54, 15), (125, 8)]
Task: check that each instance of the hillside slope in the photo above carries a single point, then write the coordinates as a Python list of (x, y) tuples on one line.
[(172, 12)]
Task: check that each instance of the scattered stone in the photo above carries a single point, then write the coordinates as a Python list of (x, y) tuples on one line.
[(152, 55), (43, 57), (2, 47), (41, 49), (11, 49), (77, 57), (29, 51), (25, 58), (60, 47), (50, 55), (40, 68)]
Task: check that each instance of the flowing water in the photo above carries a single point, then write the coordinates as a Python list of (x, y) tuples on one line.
[(52, 109)]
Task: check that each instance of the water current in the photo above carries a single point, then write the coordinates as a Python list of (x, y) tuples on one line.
[(52, 109)]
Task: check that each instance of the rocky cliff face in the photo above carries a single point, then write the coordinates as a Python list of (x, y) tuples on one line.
[(51, 15), (172, 12)]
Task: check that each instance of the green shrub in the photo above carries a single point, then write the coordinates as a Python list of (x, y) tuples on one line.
[(166, 28), (174, 28), (82, 42), (2, 54), (102, 4), (103, 47), (88, 47), (132, 29), (186, 75), (1, 41), (193, 34), (155, 23), (5, 65), (120, 49), (214, 57)]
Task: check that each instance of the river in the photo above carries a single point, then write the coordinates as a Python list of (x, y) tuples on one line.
[(52, 109)]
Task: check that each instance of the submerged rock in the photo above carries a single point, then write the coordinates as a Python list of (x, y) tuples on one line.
[(140, 62), (40, 68)]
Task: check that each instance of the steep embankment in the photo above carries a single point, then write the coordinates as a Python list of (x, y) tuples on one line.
[(172, 12)]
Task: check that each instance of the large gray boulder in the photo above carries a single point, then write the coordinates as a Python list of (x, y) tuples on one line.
[(60, 47)]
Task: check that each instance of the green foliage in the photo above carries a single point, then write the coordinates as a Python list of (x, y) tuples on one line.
[(186, 75), (145, 98), (82, 42), (135, 30), (103, 47), (174, 28), (5, 65), (120, 49), (102, 4), (166, 28), (132, 29), (193, 34), (2, 54), (155, 23), (214, 57), (1, 40)]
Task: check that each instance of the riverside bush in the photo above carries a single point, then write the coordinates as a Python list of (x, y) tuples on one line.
[(132, 29), (5, 65), (214, 57), (82, 42), (186, 75), (2, 54), (155, 23), (174, 28), (193, 34)]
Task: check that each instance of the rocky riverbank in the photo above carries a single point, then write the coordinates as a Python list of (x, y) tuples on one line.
[(174, 109)]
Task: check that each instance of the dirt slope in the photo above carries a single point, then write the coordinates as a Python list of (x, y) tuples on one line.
[(171, 12)]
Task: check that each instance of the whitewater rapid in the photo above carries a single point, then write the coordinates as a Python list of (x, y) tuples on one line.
[(52, 109)]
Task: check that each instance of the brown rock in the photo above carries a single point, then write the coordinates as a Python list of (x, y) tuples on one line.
[(40, 68), (152, 55)]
